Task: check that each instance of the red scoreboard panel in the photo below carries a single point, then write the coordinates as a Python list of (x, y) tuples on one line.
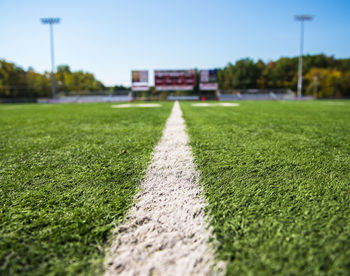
[(170, 80)]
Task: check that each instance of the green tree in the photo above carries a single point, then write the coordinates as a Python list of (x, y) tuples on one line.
[(327, 83)]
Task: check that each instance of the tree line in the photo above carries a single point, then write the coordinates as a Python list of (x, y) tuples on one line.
[(15, 82), (323, 77)]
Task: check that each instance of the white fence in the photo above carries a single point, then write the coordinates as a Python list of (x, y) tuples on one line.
[(256, 94), (88, 99)]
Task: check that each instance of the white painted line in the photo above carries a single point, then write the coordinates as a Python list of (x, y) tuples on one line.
[(214, 104), (333, 103), (166, 232), (135, 105)]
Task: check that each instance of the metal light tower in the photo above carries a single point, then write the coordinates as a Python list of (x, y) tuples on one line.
[(51, 21), (301, 18)]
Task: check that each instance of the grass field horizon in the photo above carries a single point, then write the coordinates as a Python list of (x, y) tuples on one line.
[(275, 175), (68, 175)]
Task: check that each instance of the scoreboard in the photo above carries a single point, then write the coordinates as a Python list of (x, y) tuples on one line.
[(170, 80), (139, 80), (208, 80)]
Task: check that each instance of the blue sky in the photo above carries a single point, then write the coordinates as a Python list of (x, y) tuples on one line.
[(110, 38)]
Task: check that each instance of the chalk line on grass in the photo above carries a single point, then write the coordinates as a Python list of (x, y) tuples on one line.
[(134, 105), (333, 103), (214, 104), (166, 232)]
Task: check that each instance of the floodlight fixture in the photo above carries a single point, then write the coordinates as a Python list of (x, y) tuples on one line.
[(301, 18), (51, 21)]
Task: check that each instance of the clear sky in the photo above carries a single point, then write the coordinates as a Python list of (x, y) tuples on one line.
[(111, 37)]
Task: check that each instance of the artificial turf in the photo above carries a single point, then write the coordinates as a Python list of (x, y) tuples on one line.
[(277, 179), (67, 176)]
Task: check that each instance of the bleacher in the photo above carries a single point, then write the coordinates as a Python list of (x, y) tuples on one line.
[(92, 99), (256, 94)]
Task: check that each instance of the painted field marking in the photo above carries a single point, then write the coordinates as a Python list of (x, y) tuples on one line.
[(333, 103), (214, 104), (166, 232), (135, 105)]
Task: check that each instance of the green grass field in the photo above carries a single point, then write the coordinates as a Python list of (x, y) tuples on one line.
[(277, 177), (67, 177)]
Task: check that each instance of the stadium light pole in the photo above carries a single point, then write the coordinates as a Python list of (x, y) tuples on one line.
[(51, 21), (301, 18)]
